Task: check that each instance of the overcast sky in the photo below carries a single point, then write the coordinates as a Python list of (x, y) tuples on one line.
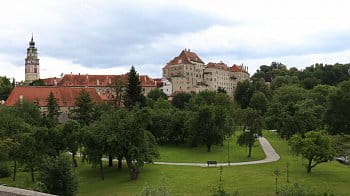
[(107, 37)]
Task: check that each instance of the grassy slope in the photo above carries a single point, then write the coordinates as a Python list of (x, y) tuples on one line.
[(183, 153), (248, 180)]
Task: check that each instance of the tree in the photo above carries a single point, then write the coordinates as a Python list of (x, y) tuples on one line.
[(29, 112), (156, 94), (52, 107), (181, 99), (134, 94), (136, 144), (244, 93), (252, 120), (72, 137), (11, 129), (84, 108), (118, 91), (317, 147), (58, 177), (5, 88), (337, 115), (205, 128), (259, 102)]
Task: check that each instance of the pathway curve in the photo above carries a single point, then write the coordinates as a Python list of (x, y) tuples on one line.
[(270, 154)]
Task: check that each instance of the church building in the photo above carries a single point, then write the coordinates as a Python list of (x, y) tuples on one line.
[(32, 72)]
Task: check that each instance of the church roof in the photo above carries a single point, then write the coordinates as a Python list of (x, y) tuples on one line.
[(185, 57), (65, 96)]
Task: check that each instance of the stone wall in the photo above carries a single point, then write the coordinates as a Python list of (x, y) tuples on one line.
[(11, 191)]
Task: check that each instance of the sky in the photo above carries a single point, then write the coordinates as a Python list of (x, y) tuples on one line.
[(108, 36)]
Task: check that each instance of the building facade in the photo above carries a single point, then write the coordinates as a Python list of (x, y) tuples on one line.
[(66, 97), (188, 73), (32, 71)]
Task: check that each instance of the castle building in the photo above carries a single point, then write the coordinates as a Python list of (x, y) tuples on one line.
[(188, 73), (32, 71)]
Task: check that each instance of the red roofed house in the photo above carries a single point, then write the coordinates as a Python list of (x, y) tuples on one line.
[(188, 73), (65, 96)]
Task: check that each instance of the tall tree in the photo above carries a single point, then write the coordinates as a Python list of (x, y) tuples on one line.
[(52, 107), (181, 99), (134, 94), (84, 108)]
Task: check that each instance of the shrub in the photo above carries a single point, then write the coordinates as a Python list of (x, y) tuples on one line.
[(4, 170), (58, 177)]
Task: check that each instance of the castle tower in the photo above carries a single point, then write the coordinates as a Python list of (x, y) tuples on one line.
[(32, 63)]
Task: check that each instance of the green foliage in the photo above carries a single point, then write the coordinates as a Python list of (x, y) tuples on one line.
[(244, 93), (221, 90), (84, 108), (134, 96), (37, 83), (251, 119), (181, 99), (317, 147), (58, 176), (259, 102), (280, 81), (4, 169), (52, 107), (206, 127), (5, 88), (337, 115), (156, 94), (29, 112)]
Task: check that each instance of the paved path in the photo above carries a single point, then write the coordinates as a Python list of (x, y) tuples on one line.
[(270, 154)]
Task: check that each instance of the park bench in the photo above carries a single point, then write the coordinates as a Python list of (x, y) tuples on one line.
[(212, 163)]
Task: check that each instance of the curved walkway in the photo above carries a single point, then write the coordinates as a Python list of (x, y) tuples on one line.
[(270, 154)]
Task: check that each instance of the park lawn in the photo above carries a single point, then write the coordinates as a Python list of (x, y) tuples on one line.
[(187, 180), (186, 154)]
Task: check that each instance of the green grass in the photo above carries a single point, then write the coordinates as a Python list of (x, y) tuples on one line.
[(186, 180), (186, 154)]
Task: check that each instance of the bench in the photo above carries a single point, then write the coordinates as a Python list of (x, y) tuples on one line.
[(212, 163)]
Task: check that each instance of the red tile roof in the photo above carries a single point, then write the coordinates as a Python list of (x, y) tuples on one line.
[(236, 68), (51, 81), (185, 57), (66, 96), (220, 65), (100, 80)]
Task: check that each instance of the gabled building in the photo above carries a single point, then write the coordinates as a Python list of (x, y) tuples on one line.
[(65, 96), (188, 73)]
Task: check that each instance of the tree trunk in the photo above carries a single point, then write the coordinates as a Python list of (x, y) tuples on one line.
[(32, 173), (208, 147), (110, 160), (250, 150), (101, 170), (276, 186), (120, 162), (134, 172), (75, 164), (14, 170), (309, 167)]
